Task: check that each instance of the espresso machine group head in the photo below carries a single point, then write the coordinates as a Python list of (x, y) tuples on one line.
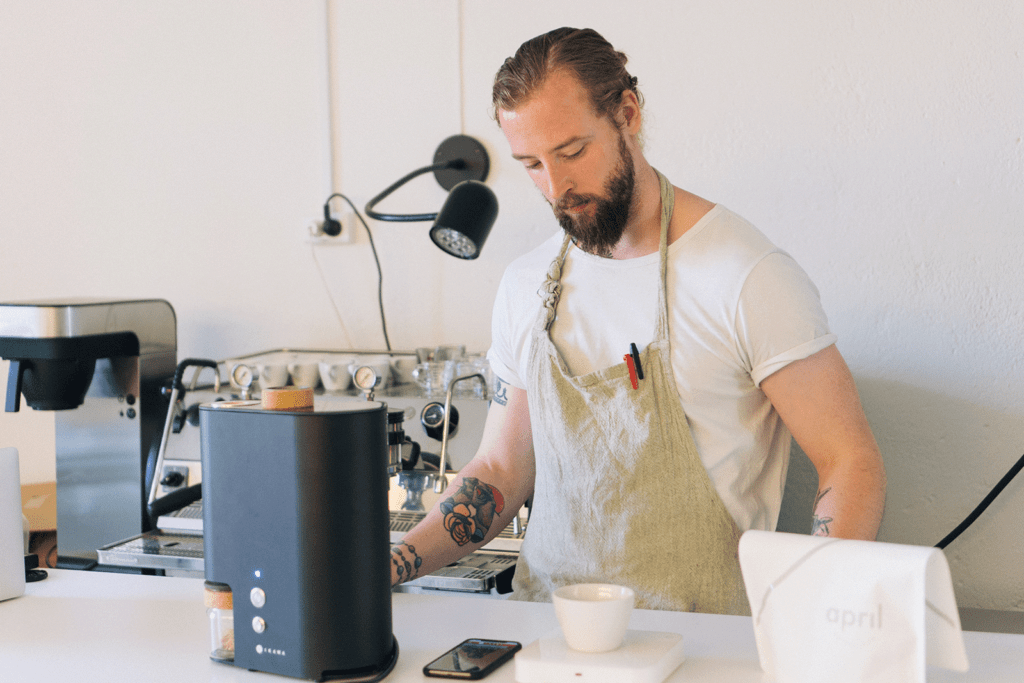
[(99, 364)]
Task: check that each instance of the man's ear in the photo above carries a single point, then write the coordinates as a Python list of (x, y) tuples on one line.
[(629, 115)]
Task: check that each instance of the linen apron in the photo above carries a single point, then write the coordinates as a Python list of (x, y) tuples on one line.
[(621, 495)]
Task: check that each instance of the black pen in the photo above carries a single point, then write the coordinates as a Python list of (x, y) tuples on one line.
[(636, 360)]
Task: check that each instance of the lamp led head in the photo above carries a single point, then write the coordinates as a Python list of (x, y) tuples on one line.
[(465, 220)]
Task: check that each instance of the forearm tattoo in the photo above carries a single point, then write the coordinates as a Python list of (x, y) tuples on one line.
[(469, 513), (500, 392), (820, 525), (405, 561)]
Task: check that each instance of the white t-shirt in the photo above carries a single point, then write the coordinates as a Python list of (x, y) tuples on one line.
[(740, 309)]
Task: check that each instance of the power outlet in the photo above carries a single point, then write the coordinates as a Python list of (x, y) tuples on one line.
[(315, 230)]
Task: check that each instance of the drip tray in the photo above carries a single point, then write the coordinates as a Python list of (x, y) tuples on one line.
[(483, 571), (489, 569), (156, 550), (478, 572)]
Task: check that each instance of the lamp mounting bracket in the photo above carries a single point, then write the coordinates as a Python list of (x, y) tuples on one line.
[(461, 148)]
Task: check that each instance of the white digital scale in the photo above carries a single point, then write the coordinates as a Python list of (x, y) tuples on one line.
[(643, 657)]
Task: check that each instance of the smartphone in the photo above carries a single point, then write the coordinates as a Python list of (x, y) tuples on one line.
[(473, 658)]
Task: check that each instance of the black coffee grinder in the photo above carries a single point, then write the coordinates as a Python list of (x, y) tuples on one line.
[(99, 364), (296, 535)]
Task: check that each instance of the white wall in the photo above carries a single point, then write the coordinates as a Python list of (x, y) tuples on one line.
[(178, 150)]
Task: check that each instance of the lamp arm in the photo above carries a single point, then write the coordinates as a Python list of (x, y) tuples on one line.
[(415, 217)]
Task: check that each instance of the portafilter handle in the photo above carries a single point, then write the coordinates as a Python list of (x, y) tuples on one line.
[(442, 480)]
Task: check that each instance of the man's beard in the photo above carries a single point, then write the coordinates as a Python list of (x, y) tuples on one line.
[(598, 234)]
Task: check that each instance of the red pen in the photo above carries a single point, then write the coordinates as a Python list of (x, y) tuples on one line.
[(632, 370), (636, 361)]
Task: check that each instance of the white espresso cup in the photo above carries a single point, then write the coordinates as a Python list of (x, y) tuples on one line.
[(272, 375), (403, 367), (334, 374), (304, 374), (593, 616)]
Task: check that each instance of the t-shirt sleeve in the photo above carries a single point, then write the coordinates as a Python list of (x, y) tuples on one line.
[(779, 317), (504, 323)]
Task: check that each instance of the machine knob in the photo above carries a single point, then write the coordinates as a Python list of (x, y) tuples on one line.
[(259, 625), (178, 419), (173, 479), (257, 597)]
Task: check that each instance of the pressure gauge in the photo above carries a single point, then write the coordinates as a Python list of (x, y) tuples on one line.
[(432, 419), (243, 377), (241, 374), (432, 416), (366, 378)]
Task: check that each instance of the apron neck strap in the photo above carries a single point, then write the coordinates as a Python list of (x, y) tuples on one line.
[(668, 203), (551, 289)]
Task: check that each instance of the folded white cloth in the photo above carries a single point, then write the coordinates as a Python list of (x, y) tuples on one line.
[(844, 611)]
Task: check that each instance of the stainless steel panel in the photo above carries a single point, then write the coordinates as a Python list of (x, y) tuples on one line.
[(151, 320), (184, 446), (462, 445), (99, 466)]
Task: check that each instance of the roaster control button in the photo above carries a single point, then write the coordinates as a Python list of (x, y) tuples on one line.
[(257, 597), (259, 625)]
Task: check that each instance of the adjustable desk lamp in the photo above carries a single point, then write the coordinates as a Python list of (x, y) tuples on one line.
[(464, 221)]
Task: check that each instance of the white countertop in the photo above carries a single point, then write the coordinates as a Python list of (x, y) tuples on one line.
[(93, 627)]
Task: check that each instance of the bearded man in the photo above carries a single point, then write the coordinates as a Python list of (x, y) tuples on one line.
[(655, 357)]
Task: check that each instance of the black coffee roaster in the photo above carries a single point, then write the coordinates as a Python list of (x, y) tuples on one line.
[(99, 364), (296, 526)]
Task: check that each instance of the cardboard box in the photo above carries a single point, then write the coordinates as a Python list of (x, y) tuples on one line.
[(39, 504)]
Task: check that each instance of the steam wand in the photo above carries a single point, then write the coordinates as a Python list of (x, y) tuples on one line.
[(442, 481)]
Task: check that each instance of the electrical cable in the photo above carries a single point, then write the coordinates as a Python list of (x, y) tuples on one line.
[(996, 490), (380, 272)]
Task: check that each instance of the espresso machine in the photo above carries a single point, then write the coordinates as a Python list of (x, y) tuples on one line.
[(295, 534), (99, 364)]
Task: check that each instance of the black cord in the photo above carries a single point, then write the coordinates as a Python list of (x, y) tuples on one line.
[(983, 505), (380, 274)]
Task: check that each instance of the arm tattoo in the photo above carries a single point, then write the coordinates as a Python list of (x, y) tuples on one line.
[(468, 514), (405, 561), (500, 391), (819, 525)]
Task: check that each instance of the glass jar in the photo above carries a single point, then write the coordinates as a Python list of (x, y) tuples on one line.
[(220, 612)]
